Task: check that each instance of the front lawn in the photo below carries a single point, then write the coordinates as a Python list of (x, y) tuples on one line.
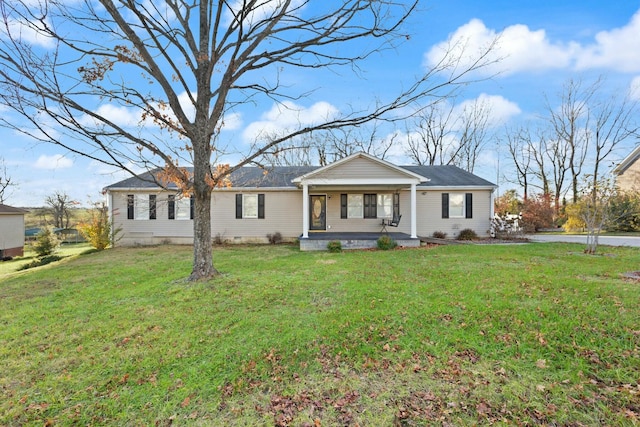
[(453, 335)]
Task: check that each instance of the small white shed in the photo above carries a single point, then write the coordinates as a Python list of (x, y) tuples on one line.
[(11, 231)]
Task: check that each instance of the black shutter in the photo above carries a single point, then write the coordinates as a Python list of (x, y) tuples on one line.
[(192, 206), (171, 206), (370, 206), (129, 206), (152, 206), (445, 205), (261, 206), (468, 205), (238, 206), (396, 205), (343, 206)]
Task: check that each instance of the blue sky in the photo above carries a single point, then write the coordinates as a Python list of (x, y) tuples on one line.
[(543, 43)]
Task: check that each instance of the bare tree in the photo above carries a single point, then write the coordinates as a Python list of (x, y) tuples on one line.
[(183, 68), (5, 181), (444, 134), (519, 145), (474, 125), (59, 207), (614, 122), (570, 124), (429, 142)]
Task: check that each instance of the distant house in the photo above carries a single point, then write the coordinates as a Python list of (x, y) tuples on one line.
[(11, 231), (351, 196), (627, 172)]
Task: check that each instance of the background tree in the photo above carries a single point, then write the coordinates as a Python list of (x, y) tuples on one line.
[(59, 207), (5, 181), (183, 68)]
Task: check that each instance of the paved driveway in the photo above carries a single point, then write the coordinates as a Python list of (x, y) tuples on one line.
[(602, 240)]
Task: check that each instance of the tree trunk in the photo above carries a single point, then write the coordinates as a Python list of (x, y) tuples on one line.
[(202, 245)]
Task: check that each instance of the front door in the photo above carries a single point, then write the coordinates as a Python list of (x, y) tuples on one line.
[(318, 213)]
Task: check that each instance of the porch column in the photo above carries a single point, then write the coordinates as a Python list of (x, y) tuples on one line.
[(414, 219), (305, 211)]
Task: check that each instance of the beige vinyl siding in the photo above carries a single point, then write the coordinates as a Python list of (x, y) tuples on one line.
[(149, 231), (282, 213), (370, 225), (11, 231), (629, 180), (360, 168), (429, 207)]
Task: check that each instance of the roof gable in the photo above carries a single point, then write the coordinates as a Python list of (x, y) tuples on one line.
[(360, 167), (627, 161)]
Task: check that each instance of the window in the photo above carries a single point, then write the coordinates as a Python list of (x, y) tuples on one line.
[(249, 206), (354, 206), (141, 206), (385, 205), (369, 205), (457, 205), (180, 208)]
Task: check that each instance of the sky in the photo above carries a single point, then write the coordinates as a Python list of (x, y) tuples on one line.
[(541, 43)]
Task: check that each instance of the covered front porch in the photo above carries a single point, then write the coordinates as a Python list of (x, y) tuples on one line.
[(352, 199), (317, 241)]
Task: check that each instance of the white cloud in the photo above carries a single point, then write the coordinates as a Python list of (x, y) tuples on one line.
[(517, 49), (262, 11), (27, 31), (286, 117), (57, 161), (498, 108), (520, 49), (618, 49)]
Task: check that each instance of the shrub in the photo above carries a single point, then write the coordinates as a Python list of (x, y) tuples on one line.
[(275, 238), (439, 235), (334, 246), (40, 261), (218, 239), (386, 242), (98, 230), (46, 242), (538, 213), (467, 234)]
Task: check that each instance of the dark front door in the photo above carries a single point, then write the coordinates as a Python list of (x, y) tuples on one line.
[(318, 213)]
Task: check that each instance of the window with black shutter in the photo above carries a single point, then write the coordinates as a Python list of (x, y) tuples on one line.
[(130, 208), (343, 206), (152, 206), (370, 205), (171, 207), (445, 205), (468, 205)]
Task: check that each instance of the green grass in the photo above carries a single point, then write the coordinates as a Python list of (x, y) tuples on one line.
[(515, 334), (66, 250)]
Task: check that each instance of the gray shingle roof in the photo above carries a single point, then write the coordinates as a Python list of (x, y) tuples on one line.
[(281, 177), (448, 176), (10, 210)]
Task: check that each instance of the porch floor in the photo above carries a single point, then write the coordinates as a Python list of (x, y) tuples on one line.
[(317, 241)]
